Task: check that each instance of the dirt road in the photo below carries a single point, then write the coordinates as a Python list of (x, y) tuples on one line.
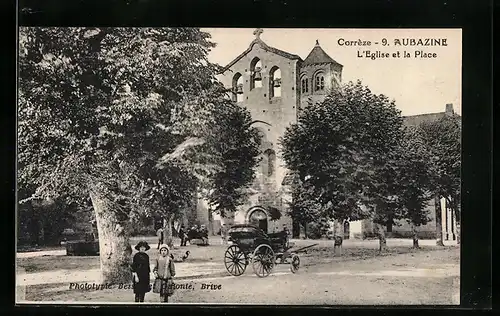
[(412, 278)]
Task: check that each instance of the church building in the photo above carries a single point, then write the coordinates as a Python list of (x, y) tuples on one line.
[(274, 85)]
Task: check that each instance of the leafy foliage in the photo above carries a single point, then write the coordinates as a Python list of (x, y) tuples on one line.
[(274, 213), (443, 143), (304, 206), (414, 172), (231, 144), (99, 107), (135, 113), (346, 147)]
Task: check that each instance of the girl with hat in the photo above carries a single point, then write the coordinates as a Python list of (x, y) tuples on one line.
[(164, 272), (140, 271)]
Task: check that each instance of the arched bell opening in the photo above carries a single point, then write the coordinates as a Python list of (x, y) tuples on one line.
[(275, 82), (255, 73), (237, 88)]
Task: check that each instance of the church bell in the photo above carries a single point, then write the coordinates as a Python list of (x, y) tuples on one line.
[(239, 89), (257, 74), (277, 82)]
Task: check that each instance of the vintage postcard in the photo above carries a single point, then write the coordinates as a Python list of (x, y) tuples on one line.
[(239, 166)]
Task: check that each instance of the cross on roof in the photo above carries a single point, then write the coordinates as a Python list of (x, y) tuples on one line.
[(257, 33)]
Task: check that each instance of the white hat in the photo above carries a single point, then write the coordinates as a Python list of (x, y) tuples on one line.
[(164, 246)]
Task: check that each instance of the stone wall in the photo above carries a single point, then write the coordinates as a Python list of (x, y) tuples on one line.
[(309, 72), (273, 115)]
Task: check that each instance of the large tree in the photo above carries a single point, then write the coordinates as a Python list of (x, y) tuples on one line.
[(343, 146), (304, 207), (98, 107), (231, 144), (443, 143), (414, 180), (226, 155)]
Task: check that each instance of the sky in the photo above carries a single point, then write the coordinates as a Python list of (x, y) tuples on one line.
[(418, 85)]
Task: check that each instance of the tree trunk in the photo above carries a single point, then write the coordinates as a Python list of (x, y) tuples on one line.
[(33, 225), (415, 236), (457, 219), (114, 246), (381, 238), (305, 231), (439, 223), (457, 226), (167, 231), (339, 229), (210, 223)]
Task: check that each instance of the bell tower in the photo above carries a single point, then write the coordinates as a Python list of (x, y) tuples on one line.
[(319, 74)]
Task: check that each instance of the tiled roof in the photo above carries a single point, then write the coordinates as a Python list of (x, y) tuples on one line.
[(265, 47), (415, 120), (318, 56)]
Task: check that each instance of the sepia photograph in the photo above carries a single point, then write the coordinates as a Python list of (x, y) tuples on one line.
[(263, 166)]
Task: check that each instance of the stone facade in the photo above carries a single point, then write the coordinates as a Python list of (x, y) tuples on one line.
[(274, 85)]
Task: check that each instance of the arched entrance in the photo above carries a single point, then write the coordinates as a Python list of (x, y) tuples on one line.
[(258, 217)]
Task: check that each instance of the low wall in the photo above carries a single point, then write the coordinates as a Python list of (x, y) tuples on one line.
[(400, 234)]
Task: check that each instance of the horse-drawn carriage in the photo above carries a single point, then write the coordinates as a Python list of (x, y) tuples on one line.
[(249, 244)]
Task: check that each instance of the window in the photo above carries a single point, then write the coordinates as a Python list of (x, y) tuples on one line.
[(270, 158), (319, 82), (275, 82), (305, 85), (237, 88), (255, 73)]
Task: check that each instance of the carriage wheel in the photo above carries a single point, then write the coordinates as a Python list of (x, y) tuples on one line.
[(295, 264), (235, 260), (263, 260)]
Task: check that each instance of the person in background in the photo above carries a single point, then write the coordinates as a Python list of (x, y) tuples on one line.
[(164, 271), (204, 234), (140, 271), (191, 234), (223, 233), (285, 229), (159, 233), (287, 232), (183, 235)]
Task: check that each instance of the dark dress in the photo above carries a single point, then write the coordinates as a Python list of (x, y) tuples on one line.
[(140, 265), (182, 235)]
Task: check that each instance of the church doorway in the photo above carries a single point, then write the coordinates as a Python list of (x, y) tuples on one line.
[(258, 218)]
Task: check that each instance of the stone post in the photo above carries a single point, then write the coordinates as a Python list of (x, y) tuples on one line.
[(450, 222), (444, 217)]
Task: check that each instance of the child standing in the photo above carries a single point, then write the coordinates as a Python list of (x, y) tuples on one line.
[(164, 271), (140, 271)]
